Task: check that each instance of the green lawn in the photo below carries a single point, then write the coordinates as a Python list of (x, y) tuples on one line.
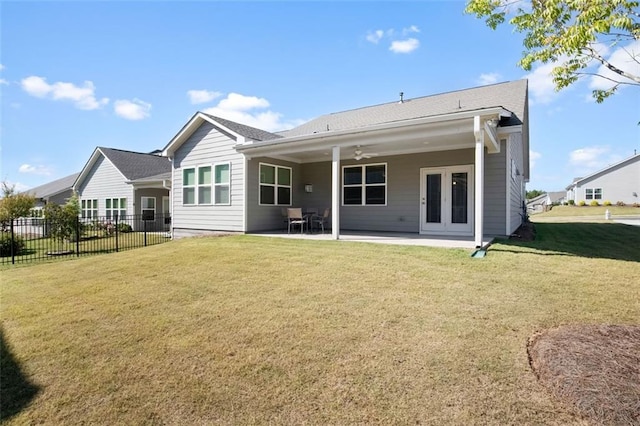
[(589, 213), (256, 330)]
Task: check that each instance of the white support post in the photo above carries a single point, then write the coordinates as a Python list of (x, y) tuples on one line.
[(479, 182), (335, 193)]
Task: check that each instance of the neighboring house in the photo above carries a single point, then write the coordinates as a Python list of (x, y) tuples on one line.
[(453, 164), (619, 182), (57, 192), (543, 202), (125, 184)]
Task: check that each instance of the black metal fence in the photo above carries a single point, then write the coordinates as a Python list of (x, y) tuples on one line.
[(38, 239)]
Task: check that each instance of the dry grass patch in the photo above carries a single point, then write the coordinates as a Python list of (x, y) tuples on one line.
[(594, 369)]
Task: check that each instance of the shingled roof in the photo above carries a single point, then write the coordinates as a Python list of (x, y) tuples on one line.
[(54, 187), (244, 130), (511, 96), (136, 165)]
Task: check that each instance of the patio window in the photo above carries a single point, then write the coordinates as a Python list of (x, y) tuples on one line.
[(116, 207), (593, 193), (364, 185), (222, 184), (275, 185), (148, 208), (89, 209)]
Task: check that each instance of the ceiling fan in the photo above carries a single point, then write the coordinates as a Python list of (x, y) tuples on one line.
[(358, 154)]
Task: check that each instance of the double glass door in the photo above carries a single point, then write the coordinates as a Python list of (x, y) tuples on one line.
[(446, 200)]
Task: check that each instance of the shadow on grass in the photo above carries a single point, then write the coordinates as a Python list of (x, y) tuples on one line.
[(595, 240), (16, 391)]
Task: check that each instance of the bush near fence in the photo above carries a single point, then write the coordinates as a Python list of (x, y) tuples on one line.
[(39, 239)]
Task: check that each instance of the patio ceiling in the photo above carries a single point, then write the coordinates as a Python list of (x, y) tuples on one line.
[(406, 137)]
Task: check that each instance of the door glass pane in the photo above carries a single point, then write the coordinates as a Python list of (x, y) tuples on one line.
[(434, 198), (459, 198)]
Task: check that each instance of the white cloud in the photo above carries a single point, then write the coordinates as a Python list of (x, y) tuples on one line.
[(626, 58), (592, 158), (202, 96), (375, 36), (490, 78), (83, 97), (3, 81), (132, 110), (541, 86), (1, 67), (35, 170), (240, 108), (404, 46), (411, 29), (18, 186), (533, 156)]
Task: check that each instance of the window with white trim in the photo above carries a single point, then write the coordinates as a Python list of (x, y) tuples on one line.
[(189, 186), (116, 207), (148, 208), (204, 185), (222, 183), (364, 185), (593, 193), (275, 185), (89, 209)]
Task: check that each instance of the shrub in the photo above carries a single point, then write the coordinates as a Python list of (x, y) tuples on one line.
[(5, 244), (582, 203), (620, 203), (571, 202), (606, 203), (124, 227), (594, 203), (636, 204)]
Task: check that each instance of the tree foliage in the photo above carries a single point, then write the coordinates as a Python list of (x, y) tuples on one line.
[(62, 221), (14, 205), (573, 34), (534, 193)]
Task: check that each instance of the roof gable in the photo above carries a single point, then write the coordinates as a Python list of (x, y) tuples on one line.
[(579, 181)]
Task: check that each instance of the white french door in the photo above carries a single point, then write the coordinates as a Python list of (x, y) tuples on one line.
[(446, 200)]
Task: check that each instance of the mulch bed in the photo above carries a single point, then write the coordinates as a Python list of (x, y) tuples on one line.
[(525, 232), (592, 369)]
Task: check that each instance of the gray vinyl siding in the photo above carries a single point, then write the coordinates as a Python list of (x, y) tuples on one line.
[(60, 198), (516, 184), (618, 184), (265, 218), (208, 146), (105, 181), (495, 192)]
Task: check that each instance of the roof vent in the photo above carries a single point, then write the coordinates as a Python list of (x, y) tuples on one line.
[(401, 97)]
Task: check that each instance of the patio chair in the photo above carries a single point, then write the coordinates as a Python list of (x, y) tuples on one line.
[(295, 217), (320, 220)]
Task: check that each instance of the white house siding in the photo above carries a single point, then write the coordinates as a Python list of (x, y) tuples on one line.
[(495, 193), (515, 180), (263, 218), (618, 184), (105, 181), (208, 146)]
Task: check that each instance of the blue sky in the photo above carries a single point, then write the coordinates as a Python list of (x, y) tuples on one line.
[(128, 75)]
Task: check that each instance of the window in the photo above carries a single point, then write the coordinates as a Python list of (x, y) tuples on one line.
[(221, 184), (189, 186), (148, 208), (275, 185), (593, 193), (116, 207), (89, 209), (205, 185), (364, 185)]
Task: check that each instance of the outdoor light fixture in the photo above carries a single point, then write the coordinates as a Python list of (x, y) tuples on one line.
[(308, 188), (493, 123)]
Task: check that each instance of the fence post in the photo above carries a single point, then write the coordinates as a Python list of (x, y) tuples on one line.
[(77, 236), (145, 230), (117, 216), (13, 243)]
